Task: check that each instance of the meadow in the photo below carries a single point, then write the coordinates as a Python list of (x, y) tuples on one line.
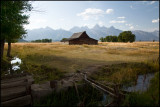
[(119, 63), (61, 58)]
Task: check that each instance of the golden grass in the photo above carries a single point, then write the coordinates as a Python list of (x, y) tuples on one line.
[(71, 57)]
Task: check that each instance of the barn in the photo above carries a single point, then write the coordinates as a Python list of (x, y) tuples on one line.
[(81, 38)]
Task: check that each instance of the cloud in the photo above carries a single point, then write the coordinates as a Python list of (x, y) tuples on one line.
[(148, 2), (117, 21), (109, 11), (155, 20), (91, 13), (138, 4), (131, 6), (152, 2), (121, 17), (130, 26), (100, 23), (85, 25)]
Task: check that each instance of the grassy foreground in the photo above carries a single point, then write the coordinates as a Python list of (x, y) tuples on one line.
[(121, 63), (147, 98), (125, 73), (85, 95), (48, 61)]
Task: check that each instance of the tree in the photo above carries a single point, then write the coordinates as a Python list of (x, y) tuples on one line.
[(111, 38), (15, 34), (114, 39), (43, 40), (120, 39), (102, 39), (126, 36), (12, 21), (108, 38)]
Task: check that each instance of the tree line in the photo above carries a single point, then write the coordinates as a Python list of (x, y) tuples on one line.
[(125, 36), (42, 41)]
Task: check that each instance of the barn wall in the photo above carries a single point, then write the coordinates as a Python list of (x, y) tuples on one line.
[(80, 41)]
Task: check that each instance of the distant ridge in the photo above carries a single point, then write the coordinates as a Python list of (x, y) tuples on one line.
[(96, 32), (22, 40)]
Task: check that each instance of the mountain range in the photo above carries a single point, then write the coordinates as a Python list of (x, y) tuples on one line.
[(96, 32)]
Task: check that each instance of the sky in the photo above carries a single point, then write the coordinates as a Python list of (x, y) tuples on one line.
[(123, 15)]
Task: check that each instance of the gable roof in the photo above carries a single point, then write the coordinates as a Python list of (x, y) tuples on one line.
[(76, 35)]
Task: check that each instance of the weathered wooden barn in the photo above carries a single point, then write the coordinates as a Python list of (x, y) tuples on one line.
[(81, 38)]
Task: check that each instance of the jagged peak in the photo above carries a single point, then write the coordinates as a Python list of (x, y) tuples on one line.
[(96, 26)]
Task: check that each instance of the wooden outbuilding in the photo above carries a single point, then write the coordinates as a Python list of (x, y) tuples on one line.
[(81, 38)]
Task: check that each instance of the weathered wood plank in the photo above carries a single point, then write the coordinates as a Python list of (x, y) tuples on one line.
[(104, 90), (105, 87), (14, 84), (15, 79), (14, 92), (13, 76), (20, 101)]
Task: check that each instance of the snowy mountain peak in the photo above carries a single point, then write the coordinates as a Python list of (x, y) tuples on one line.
[(96, 32), (112, 27), (96, 26)]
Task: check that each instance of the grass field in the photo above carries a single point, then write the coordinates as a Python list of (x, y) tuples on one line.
[(64, 58), (120, 63)]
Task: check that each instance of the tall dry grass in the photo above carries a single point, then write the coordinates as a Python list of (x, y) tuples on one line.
[(72, 57)]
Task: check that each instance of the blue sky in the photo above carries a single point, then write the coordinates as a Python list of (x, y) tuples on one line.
[(124, 15)]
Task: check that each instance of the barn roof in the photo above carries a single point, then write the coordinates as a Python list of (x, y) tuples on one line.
[(76, 35)]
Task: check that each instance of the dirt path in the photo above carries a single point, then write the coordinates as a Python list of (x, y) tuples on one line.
[(70, 78)]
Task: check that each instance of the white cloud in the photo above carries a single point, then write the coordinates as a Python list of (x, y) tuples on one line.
[(86, 25), (148, 2), (91, 13), (155, 20), (131, 7), (117, 21), (130, 26), (152, 2), (109, 11), (100, 23), (121, 17)]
